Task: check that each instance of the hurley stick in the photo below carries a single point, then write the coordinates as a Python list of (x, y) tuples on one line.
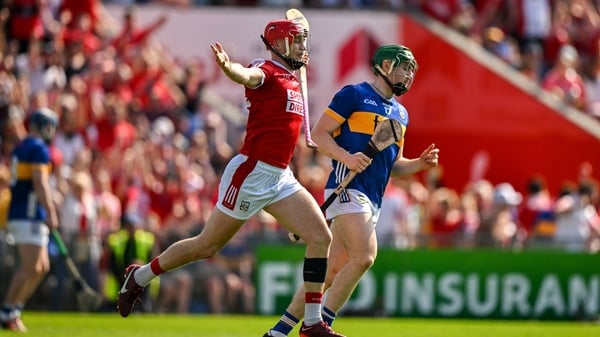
[(295, 15), (87, 298)]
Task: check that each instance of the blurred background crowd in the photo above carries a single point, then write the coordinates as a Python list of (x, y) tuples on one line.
[(138, 153)]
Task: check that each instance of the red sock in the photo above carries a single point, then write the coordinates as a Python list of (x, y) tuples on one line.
[(313, 297), (156, 269)]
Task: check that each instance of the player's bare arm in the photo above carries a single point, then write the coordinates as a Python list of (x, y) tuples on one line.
[(429, 158), (249, 77), (42, 189), (322, 134)]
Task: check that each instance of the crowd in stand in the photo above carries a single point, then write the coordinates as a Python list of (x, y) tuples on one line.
[(138, 154), (553, 42)]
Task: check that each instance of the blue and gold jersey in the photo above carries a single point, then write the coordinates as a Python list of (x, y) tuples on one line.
[(359, 108), (24, 202)]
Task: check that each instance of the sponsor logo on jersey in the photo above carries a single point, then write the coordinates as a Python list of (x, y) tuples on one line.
[(294, 104), (370, 101)]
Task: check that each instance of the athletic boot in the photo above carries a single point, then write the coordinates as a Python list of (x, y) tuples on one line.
[(12, 322), (318, 330), (130, 292)]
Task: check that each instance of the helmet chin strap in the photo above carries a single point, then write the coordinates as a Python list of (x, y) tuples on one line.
[(293, 64), (397, 88)]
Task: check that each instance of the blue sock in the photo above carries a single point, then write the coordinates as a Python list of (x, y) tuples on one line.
[(328, 316), (5, 313), (286, 323)]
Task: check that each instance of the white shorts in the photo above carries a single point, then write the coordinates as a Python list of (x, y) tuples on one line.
[(248, 185), (351, 201), (33, 232)]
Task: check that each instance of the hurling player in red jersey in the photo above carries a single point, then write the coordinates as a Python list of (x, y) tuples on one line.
[(259, 176)]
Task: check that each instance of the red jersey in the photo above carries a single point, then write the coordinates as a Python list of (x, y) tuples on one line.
[(275, 116), (26, 20), (81, 7)]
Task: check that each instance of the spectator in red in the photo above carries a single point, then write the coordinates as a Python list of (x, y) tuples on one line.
[(70, 10), (458, 14), (164, 183), (446, 217), (564, 81), (87, 82), (82, 32), (114, 132), (114, 77), (131, 37), (487, 15), (559, 34), (584, 29), (26, 22), (153, 87), (163, 194)]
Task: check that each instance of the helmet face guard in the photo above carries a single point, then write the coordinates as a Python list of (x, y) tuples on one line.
[(292, 33), (45, 121), (399, 80)]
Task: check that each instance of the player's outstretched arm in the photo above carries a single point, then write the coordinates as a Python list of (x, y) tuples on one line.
[(249, 77), (429, 158)]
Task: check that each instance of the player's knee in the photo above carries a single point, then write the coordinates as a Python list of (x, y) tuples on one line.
[(318, 238), (363, 262)]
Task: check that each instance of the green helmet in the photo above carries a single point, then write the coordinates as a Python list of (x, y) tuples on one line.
[(398, 54)]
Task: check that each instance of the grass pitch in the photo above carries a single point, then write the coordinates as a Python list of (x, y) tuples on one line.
[(41, 324)]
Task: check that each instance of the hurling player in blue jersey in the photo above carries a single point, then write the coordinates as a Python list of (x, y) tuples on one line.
[(31, 214), (342, 133)]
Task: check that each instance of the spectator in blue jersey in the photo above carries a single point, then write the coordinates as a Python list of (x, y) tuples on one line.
[(342, 133), (31, 216)]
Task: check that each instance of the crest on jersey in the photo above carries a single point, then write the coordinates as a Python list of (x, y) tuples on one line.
[(402, 114), (244, 206), (361, 199)]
